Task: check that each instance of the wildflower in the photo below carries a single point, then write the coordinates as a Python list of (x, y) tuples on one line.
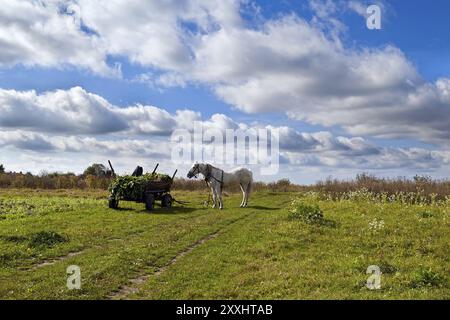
[(376, 225)]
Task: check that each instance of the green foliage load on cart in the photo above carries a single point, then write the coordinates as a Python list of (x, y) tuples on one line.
[(133, 187)]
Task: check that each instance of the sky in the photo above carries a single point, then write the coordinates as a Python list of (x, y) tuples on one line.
[(85, 81)]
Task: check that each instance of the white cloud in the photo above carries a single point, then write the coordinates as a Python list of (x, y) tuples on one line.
[(156, 33), (25, 141), (76, 111), (144, 31), (44, 143), (290, 66), (66, 111), (325, 17), (360, 7), (48, 34), (318, 142), (411, 160), (147, 119)]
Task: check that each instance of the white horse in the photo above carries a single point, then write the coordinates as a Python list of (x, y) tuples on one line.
[(216, 179)]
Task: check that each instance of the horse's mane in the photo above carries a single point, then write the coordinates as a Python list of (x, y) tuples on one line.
[(213, 167)]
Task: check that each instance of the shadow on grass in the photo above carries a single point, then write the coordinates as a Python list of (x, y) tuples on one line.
[(173, 210), (329, 223), (319, 223), (39, 239), (262, 208), (14, 239), (123, 209)]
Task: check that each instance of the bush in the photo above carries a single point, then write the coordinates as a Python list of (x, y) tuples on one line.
[(309, 213), (97, 170), (282, 185)]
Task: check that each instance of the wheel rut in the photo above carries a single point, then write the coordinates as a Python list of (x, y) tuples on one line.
[(135, 284), (51, 262)]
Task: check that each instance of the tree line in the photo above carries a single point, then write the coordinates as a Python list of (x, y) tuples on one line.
[(96, 176)]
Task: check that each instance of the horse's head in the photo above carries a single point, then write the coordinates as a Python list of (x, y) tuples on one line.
[(195, 170)]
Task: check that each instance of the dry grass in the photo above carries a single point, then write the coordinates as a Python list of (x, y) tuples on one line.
[(423, 187)]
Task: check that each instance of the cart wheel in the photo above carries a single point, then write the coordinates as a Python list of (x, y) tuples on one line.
[(166, 201), (113, 203), (149, 201)]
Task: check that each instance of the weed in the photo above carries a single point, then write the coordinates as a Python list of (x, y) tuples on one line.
[(309, 213), (425, 214), (426, 277), (376, 225)]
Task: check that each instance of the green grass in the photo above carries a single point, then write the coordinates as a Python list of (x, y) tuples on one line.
[(259, 252)]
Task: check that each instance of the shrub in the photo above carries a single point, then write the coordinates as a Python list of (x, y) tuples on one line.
[(282, 185), (97, 170), (309, 213)]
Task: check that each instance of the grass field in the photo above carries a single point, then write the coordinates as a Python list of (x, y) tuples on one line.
[(193, 252)]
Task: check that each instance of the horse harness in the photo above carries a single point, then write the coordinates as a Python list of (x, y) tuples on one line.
[(208, 176)]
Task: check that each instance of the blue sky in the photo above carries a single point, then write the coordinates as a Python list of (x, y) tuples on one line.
[(350, 99)]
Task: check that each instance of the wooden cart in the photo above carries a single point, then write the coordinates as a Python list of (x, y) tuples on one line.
[(153, 191)]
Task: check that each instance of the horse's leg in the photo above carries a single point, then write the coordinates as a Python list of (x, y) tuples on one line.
[(243, 195), (247, 193), (219, 192), (214, 198)]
